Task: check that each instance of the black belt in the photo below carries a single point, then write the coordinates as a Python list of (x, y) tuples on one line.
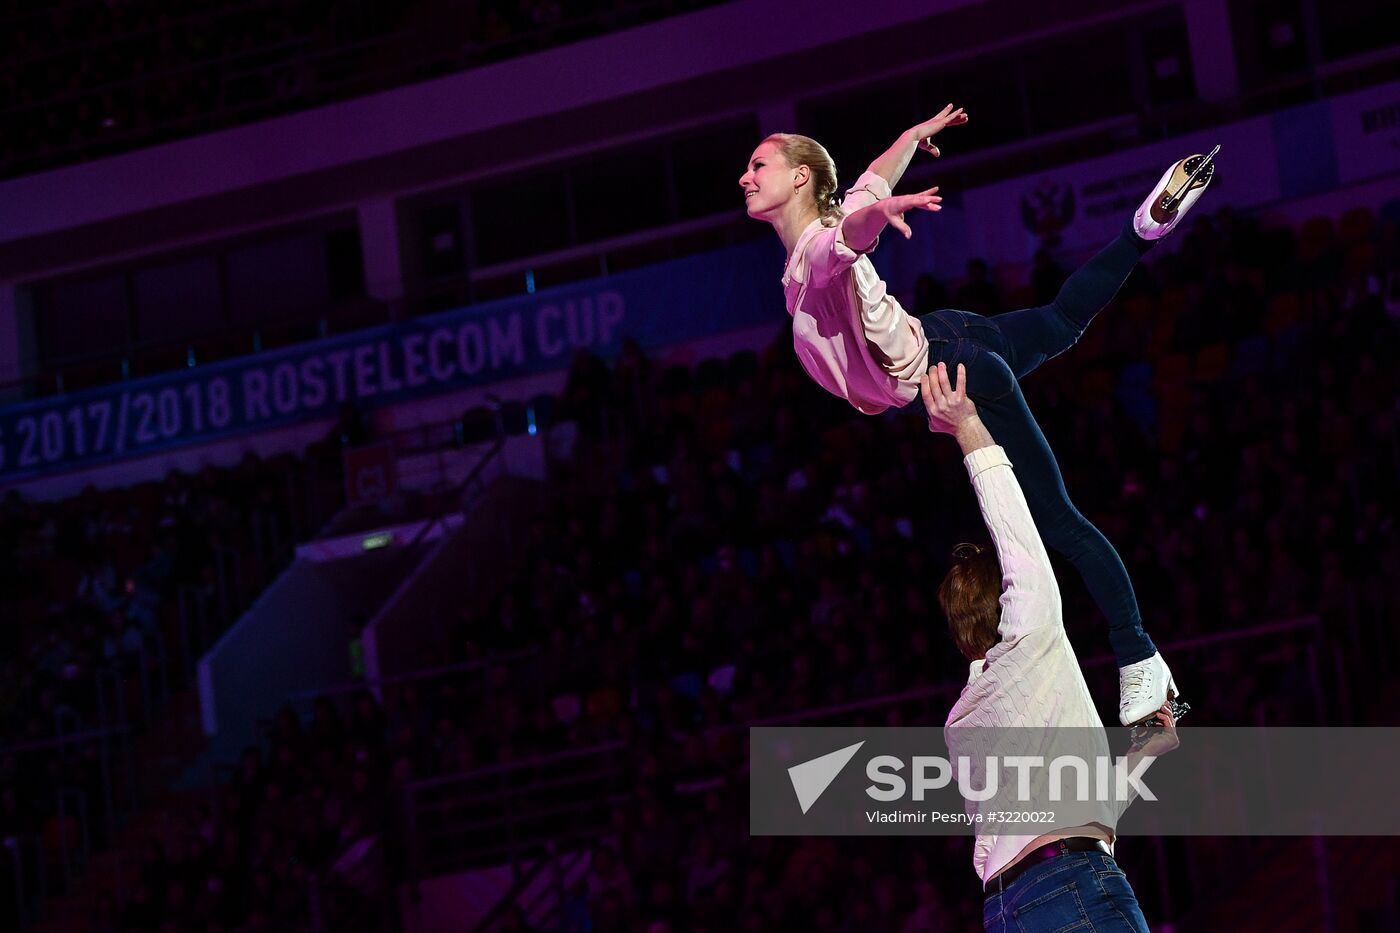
[(1048, 851)]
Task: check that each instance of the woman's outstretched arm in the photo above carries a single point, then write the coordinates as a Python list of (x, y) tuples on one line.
[(860, 228), (895, 160)]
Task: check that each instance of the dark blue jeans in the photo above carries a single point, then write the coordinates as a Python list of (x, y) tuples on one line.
[(1075, 891), (997, 352)]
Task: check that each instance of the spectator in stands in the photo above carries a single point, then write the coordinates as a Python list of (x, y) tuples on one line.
[(1046, 279), (514, 921), (929, 295), (978, 293), (607, 876), (707, 868), (587, 393), (929, 914), (631, 384), (351, 429)]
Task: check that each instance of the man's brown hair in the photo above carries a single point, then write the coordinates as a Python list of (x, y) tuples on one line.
[(970, 596)]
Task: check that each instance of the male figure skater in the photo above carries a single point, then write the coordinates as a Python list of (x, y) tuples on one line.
[(1004, 613)]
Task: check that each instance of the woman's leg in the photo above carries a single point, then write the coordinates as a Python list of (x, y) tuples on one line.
[(1031, 336), (993, 386)]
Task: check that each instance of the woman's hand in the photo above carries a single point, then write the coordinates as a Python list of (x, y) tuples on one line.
[(893, 208), (950, 411), (891, 165), (923, 133)]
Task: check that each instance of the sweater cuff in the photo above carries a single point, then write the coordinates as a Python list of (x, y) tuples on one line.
[(875, 183), (984, 458)]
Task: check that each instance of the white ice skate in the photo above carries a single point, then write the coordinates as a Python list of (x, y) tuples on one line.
[(1180, 187), (1142, 689)]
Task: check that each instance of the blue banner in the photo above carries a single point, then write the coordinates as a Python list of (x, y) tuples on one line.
[(659, 306)]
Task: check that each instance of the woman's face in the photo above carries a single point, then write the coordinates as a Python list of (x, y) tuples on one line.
[(768, 183)]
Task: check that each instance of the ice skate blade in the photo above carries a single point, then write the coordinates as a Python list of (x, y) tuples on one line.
[(1198, 171), (1142, 731)]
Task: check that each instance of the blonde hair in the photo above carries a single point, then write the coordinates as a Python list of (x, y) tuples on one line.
[(804, 150)]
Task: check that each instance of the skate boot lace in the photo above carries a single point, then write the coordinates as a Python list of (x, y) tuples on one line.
[(1136, 684)]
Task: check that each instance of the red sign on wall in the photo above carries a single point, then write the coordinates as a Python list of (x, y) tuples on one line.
[(371, 474)]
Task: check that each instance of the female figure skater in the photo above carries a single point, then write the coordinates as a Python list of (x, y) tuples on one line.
[(856, 341)]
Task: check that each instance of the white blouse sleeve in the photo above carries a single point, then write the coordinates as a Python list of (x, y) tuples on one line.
[(827, 254)]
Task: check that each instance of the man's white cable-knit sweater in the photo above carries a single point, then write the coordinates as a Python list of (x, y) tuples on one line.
[(1031, 678)]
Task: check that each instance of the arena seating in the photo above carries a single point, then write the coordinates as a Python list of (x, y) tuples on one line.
[(90, 78), (730, 544)]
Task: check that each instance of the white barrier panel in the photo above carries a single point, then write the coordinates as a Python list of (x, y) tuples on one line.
[(1366, 133)]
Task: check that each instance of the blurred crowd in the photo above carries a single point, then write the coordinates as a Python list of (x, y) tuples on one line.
[(728, 543), (106, 600)]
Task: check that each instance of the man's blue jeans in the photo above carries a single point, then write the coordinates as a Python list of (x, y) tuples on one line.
[(998, 351), (1075, 891)]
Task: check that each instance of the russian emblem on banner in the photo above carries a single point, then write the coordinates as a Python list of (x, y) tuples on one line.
[(1047, 209), (371, 475)]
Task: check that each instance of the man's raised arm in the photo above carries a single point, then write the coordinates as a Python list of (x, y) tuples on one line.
[(1030, 597)]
